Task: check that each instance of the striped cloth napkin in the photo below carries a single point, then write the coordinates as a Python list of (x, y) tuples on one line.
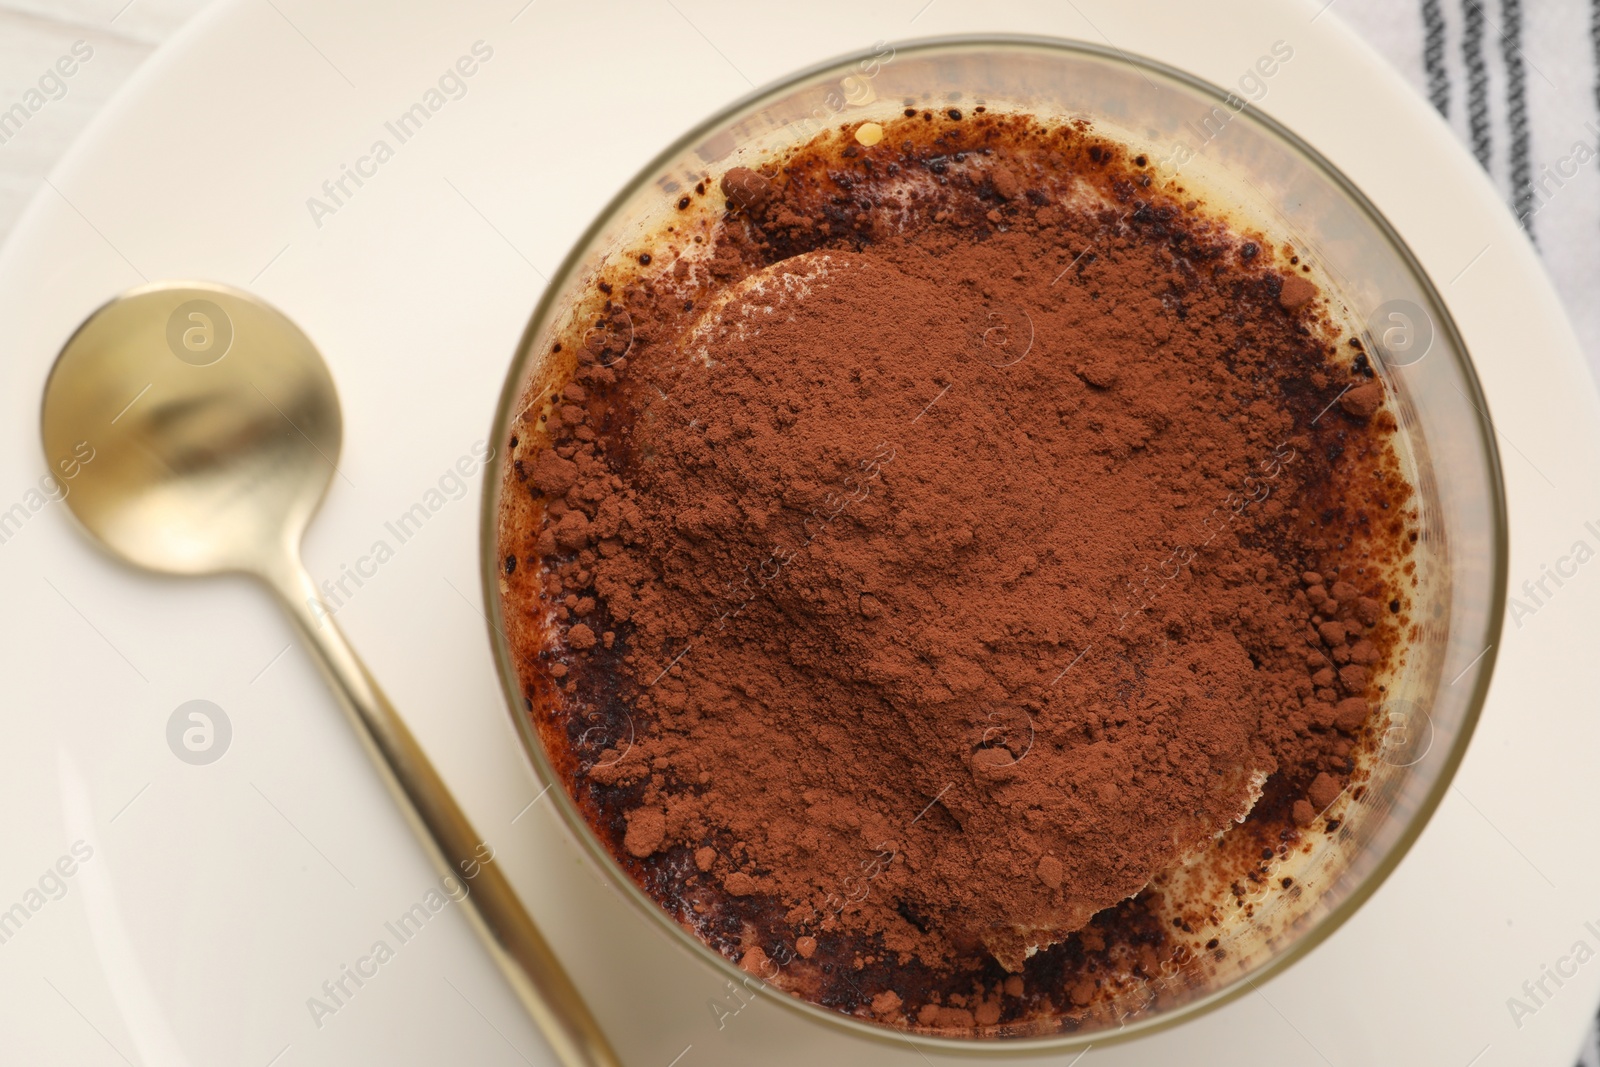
[(1520, 85)]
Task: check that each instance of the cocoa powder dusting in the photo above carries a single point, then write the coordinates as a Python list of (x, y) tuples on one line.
[(962, 534)]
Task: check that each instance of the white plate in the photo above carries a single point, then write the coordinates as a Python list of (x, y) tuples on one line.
[(218, 899)]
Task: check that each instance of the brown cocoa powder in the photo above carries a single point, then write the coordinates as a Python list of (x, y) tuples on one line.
[(943, 544)]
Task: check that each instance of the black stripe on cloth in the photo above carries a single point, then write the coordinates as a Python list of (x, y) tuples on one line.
[(1517, 112), (1477, 80), (1433, 55), (1594, 45)]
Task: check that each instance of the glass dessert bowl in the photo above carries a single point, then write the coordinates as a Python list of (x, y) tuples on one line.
[(1207, 924)]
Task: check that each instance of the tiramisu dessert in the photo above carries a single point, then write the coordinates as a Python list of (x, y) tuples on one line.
[(952, 567)]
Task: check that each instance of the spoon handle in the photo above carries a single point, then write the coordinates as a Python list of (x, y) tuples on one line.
[(497, 914)]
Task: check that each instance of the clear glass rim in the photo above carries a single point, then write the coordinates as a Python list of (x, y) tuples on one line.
[(1303, 944)]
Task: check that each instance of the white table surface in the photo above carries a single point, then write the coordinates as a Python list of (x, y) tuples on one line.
[(33, 34)]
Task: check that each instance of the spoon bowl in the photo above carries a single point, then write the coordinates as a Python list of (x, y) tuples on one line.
[(214, 422)]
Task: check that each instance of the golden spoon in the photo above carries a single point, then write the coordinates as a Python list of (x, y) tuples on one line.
[(215, 430)]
